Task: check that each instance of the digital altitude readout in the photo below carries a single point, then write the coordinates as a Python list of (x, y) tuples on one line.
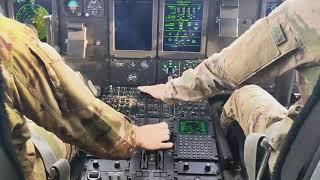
[(193, 127), (182, 25)]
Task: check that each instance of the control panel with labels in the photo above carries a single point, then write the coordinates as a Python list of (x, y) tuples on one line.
[(122, 44), (195, 139), (194, 154)]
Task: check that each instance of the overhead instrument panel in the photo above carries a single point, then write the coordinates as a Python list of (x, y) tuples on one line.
[(32, 12), (183, 27), (133, 25)]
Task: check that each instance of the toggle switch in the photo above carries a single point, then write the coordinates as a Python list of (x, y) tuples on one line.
[(186, 166), (208, 167), (144, 160), (117, 164), (95, 164)]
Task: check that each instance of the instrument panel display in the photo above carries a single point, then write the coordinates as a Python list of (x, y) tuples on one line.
[(32, 12), (182, 25), (133, 24), (94, 8), (193, 127), (73, 7)]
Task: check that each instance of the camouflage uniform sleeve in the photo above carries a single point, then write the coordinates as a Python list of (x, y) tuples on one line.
[(268, 49), (207, 79), (87, 122), (47, 91)]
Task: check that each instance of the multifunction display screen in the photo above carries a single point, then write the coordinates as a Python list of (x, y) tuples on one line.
[(133, 24), (193, 127), (182, 25), (32, 12)]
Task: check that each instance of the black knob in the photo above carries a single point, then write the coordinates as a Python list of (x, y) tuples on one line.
[(208, 167), (95, 164), (186, 166), (117, 164)]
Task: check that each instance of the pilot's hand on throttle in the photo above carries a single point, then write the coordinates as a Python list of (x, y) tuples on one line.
[(156, 91), (153, 137)]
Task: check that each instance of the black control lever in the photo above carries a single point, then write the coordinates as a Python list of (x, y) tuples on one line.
[(160, 159), (144, 160), (225, 155)]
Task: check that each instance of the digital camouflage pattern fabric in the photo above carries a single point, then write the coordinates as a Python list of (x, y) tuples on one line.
[(289, 38), (41, 87)]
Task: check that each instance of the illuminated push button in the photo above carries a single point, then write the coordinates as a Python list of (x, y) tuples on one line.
[(208, 167), (117, 164), (186, 166), (95, 164)]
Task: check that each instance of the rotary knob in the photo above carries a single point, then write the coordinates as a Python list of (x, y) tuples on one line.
[(208, 167), (95, 164), (186, 166), (117, 164)]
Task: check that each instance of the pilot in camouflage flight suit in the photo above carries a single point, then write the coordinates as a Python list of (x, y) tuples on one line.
[(40, 86), (289, 38)]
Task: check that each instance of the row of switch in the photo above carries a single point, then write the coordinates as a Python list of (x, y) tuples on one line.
[(186, 166), (146, 174), (96, 164)]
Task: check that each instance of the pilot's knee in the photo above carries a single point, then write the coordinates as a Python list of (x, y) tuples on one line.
[(233, 107), (239, 97), (253, 108)]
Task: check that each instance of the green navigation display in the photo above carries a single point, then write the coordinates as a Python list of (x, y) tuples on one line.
[(193, 127), (32, 12), (182, 25)]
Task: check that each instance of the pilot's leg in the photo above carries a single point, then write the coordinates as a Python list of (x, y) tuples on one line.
[(257, 111), (60, 149)]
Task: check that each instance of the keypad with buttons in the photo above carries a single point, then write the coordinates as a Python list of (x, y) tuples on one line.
[(196, 147)]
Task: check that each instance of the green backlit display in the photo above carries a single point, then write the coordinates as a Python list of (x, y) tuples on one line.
[(182, 25), (32, 12), (193, 127)]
